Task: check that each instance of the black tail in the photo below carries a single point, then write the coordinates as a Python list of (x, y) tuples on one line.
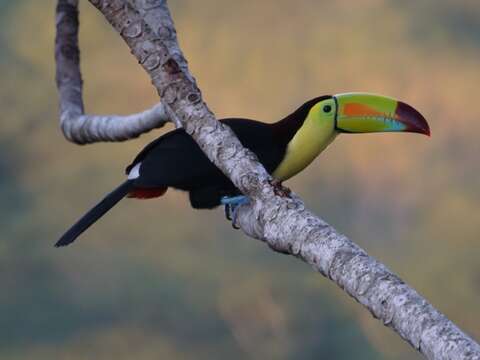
[(95, 213)]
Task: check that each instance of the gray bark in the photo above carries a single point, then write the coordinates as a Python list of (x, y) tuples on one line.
[(282, 222), (75, 124)]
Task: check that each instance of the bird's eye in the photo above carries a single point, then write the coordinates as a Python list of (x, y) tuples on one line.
[(327, 108)]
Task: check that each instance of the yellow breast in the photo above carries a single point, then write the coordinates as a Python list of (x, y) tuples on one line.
[(311, 139)]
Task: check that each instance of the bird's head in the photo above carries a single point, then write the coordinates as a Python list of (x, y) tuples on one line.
[(368, 113), (313, 126)]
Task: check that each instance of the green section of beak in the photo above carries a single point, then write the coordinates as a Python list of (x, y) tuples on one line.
[(364, 113)]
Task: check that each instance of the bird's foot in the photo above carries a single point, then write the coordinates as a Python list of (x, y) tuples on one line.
[(279, 189), (232, 203)]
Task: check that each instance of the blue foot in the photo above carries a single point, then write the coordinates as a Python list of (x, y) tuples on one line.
[(234, 200), (231, 206)]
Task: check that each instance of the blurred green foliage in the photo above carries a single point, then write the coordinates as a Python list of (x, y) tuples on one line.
[(156, 279)]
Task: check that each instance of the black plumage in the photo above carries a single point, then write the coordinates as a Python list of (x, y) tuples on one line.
[(175, 160), (95, 213)]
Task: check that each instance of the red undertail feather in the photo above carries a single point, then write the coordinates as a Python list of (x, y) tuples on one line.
[(139, 193)]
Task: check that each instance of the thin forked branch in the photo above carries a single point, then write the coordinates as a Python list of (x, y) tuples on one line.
[(282, 222), (75, 124)]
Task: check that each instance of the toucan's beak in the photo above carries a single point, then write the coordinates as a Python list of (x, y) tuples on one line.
[(364, 113)]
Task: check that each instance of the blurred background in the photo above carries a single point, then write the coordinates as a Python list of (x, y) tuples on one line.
[(155, 279)]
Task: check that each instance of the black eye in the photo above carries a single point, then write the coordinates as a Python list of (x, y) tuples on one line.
[(327, 108)]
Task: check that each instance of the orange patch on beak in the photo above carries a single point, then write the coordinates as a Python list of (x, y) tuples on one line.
[(356, 109)]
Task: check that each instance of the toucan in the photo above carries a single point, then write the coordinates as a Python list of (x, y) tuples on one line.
[(284, 148)]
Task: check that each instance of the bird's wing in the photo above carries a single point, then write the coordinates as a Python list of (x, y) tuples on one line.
[(175, 159), (147, 149), (260, 139)]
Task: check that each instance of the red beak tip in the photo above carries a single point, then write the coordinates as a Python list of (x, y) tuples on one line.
[(413, 118), (427, 132), (423, 132)]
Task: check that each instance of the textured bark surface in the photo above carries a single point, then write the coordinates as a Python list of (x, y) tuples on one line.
[(77, 126), (282, 222)]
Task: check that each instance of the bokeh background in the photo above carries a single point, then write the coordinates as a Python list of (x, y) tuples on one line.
[(155, 279)]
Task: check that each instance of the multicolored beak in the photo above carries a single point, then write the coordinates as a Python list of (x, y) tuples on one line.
[(365, 113)]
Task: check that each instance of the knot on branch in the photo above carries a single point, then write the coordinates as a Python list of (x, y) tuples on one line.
[(132, 30), (165, 33), (194, 98), (171, 66)]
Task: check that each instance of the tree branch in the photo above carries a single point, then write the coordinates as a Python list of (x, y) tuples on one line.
[(283, 223), (76, 126)]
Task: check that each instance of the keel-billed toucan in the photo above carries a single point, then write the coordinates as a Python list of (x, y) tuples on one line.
[(284, 148)]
